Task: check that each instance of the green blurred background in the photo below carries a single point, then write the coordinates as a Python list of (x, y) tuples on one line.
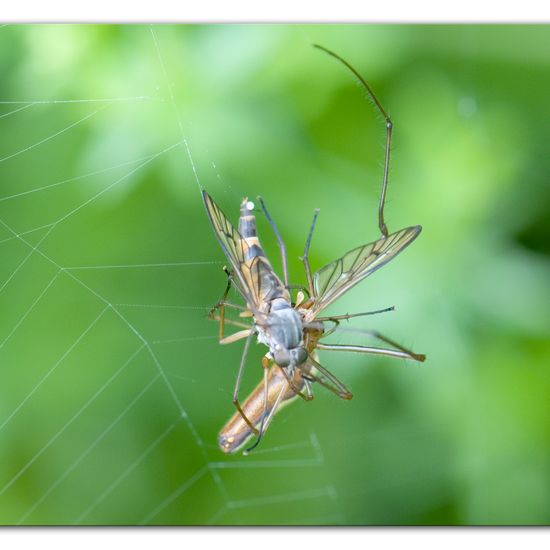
[(113, 386)]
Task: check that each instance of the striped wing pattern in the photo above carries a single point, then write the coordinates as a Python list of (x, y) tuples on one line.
[(253, 275), (265, 285), (233, 245), (338, 277)]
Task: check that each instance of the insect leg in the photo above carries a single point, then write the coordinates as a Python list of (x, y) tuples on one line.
[(291, 384), (400, 352), (326, 379), (223, 300), (309, 392), (236, 336), (238, 383), (378, 336), (351, 315), (268, 419), (264, 411), (389, 127), (222, 304), (305, 257), (229, 321), (335, 319), (280, 241), (294, 388), (232, 306)]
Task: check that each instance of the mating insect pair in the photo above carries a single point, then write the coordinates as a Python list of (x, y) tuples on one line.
[(293, 330)]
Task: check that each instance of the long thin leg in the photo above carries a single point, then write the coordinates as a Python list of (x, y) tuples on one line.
[(381, 337), (389, 127), (264, 414), (309, 392), (268, 420), (229, 321), (223, 300), (305, 257), (401, 352), (247, 311), (293, 386), (280, 241), (221, 305), (310, 377), (238, 383), (223, 321), (351, 315), (295, 389), (337, 318), (236, 336), (327, 379), (230, 305)]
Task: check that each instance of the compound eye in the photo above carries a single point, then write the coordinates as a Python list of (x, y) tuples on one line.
[(282, 358)]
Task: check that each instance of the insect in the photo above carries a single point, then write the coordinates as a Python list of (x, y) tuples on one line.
[(293, 330), (235, 434)]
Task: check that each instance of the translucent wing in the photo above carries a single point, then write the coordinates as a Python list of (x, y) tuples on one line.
[(252, 273), (338, 277), (263, 283), (233, 244)]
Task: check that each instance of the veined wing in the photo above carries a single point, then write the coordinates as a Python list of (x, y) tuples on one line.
[(264, 284), (253, 275), (338, 277), (233, 245)]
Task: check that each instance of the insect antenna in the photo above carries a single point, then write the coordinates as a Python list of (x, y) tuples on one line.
[(389, 126)]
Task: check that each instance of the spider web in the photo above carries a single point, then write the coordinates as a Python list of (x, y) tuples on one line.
[(102, 420)]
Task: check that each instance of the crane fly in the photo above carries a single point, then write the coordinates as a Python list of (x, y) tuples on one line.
[(237, 431), (293, 330)]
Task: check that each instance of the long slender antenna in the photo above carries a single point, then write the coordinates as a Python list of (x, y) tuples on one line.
[(389, 126)]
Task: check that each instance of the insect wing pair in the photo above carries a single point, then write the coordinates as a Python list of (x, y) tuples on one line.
[(293, 332), (250, 271)]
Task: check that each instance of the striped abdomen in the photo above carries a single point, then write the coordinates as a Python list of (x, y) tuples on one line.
[(257, 267)]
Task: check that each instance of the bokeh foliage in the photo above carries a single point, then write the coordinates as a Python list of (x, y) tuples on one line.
[(87, 437)]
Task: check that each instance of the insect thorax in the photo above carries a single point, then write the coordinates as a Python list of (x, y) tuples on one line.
[(282, 331)]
